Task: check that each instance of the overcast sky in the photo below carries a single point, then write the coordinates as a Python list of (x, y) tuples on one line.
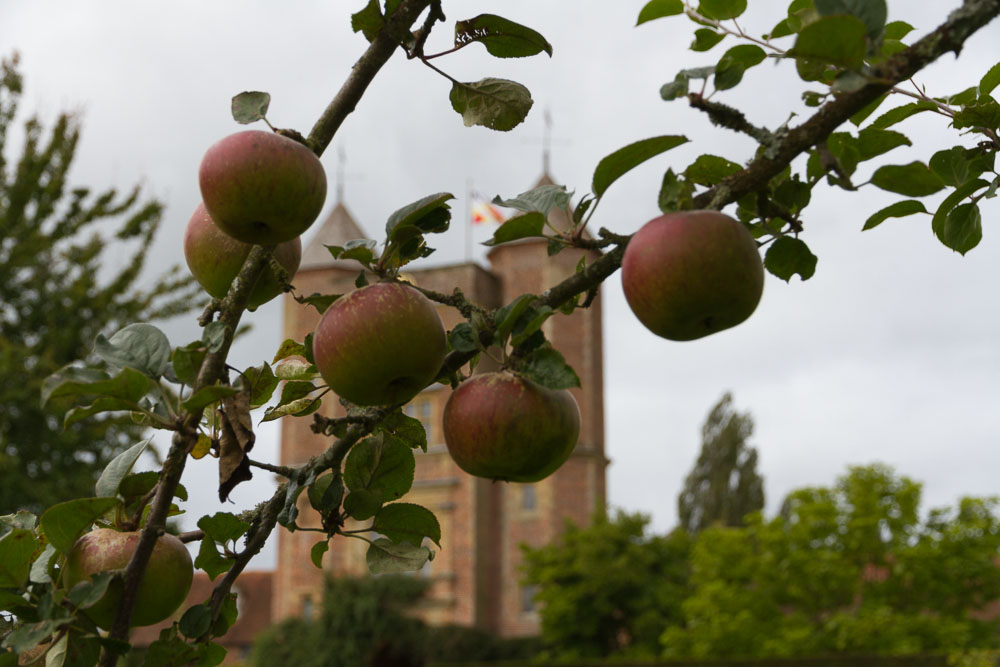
[(890, 353)]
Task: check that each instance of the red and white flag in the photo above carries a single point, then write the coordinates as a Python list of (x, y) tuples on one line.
[(483, 212)]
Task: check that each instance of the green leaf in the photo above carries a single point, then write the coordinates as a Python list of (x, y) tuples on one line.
[(210, 560), (408, 429), (623, 160), (985, 114), (542, 199), (87, 593), (506, 316), (187, 361), (208, 395), (362, 504), (195, 621), (41, 568), (17, 552), (529, 323), (498, 104), (386, 557), (734, 62), (382, 464), (138, 484), (521, 226), (407, 522), (327, 492), (837, 40), (949, 202), (676, 88), (788, 256), (103, 404), (963, 228), (428, 215), (250, 106), (223, 527), (368, 21), (12, 602), (898, 210), (547, 367), (657, 9), (951, 165), (913, 180), (872, 13), (893, 116), (65, 522), (897, 29), (463, 338), (317, 551), (300, 407), (990, 80), (873, 142), (704, 40), (289, 348), (501, 37), (140, 346), (214, 335), (261, 382), (28, 635), (118, 468), (295, 369), (782, 29), (710, 169), (722, 9), (318, 301), (676, 194), (211, 654), (128, 385)]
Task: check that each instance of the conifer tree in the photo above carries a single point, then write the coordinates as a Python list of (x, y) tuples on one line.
[(724, 485), (58, 290)]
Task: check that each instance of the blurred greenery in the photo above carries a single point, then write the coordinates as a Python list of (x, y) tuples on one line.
[(851, 569), (59, 288), (368, 621)]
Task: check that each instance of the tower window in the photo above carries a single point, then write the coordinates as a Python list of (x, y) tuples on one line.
[(528, 594), (529, 497)]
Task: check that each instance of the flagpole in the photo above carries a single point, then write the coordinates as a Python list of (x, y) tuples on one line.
[(468, 220)]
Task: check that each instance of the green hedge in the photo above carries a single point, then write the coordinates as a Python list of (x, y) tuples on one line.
[(834, 661)]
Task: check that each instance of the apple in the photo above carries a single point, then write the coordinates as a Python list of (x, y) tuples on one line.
[(163, 587), (380, 344), (504, 427), (261, 187), (215, 258), (692, 273)]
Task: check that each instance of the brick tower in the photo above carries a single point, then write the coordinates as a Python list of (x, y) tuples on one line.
[(473, 578)]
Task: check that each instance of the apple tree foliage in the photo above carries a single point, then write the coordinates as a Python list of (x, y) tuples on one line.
[(54, 299), (851, 64)]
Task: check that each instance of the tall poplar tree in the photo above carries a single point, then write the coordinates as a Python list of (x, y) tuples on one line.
[(724, 485), (57, 292)]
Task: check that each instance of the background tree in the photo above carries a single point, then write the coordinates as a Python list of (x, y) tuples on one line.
[(608, 589), (367, 621), (845, 569), (724, 485), (57, 292)]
